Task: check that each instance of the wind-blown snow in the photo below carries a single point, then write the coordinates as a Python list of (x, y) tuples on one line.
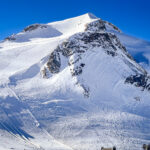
[(63, 111), (138, 48)]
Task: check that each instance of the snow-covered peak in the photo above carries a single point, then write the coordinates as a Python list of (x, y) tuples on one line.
[(66, 27), (63, 28), (74, 25), (71, 82), (92, 16)]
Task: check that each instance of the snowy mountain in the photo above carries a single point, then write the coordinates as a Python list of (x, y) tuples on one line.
[(77, 84)]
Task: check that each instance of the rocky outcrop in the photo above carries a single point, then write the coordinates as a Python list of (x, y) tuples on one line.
[(10, 38), (54, 62), (79, 44), (77, 70), (139, 80), (108, 41), (96, 26), (30, 28), (95, 36), (33, 27)]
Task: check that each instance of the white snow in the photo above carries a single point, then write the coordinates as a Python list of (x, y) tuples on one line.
[(52, 114), (138, 48)]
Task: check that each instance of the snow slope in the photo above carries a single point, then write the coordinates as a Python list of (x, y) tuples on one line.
[(73, 85), (138, 48)]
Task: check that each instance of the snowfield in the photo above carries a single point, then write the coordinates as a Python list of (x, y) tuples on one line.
[(73, 85)]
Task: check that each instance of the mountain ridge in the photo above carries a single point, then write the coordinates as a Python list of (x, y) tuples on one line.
[(73, 85)]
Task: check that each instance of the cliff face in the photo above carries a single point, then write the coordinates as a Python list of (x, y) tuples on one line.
[(95, 36)]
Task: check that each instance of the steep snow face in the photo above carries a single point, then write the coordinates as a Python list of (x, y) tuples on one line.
[(74, 25), (80, 46), (72, 85), (138, 48)]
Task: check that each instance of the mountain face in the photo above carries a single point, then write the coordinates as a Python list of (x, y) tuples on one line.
[(73, 85)]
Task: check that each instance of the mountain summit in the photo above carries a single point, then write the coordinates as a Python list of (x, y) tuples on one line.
[(74, 84)]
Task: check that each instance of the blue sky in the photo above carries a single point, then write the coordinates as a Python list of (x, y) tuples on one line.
[(131, 16)]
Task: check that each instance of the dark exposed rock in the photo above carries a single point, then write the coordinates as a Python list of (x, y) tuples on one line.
[(44, 75), (67, 48), (73, 49), (10, 38), (82, 65), (103, 40), (80, 43), (96, 26), (54, 62), (27, 29), (139, 80), (86, 91), (77, 70), (33, 27), (111, 53)]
